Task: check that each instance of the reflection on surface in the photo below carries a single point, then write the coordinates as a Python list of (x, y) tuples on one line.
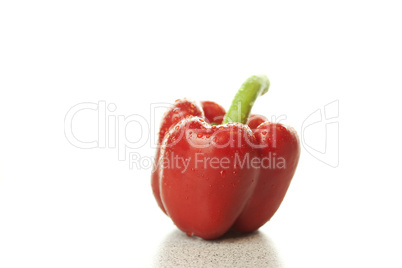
[(232, 250)]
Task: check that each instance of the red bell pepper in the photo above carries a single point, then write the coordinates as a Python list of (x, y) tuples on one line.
[(214, 172)]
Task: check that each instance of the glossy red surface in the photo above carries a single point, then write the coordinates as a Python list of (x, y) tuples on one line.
[(206, 180)]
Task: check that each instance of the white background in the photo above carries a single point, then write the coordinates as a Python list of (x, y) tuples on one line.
[(61, 206)]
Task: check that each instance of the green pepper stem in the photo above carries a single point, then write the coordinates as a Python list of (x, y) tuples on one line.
[(253, 87)]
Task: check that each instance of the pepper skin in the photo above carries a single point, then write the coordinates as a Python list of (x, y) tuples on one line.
[(203, 179)]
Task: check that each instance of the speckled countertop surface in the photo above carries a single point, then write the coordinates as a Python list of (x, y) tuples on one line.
[(232, 250)]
